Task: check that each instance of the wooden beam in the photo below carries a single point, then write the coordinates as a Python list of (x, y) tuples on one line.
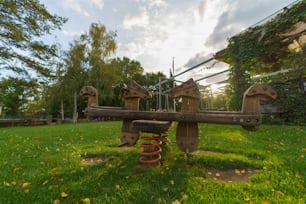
[(236, 118)]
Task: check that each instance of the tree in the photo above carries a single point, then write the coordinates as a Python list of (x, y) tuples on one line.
[(129, 69), (75, 75), (149, 82), (15, 94), (22, 23), (100, 45)]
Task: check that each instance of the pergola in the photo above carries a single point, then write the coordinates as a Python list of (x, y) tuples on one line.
[(269, 44)]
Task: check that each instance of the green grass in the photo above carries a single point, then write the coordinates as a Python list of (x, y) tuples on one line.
[(38, 164)]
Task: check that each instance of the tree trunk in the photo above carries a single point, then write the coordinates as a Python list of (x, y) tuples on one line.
[(75, 114), (62, 110)]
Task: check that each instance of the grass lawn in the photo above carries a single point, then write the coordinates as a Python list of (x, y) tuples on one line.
[(81, 163)]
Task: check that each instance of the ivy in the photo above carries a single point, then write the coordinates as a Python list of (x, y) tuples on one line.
[(260, 50)]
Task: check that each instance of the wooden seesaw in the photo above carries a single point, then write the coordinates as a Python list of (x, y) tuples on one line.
[(187, 133)]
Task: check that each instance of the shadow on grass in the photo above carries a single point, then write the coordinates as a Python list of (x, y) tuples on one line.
[(117, 177)]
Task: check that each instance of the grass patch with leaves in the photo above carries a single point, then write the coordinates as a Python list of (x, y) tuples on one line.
[(81, 163)]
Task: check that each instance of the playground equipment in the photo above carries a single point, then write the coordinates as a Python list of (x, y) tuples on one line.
[(187, 129)]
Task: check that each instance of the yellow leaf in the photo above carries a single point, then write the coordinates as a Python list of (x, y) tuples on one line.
[(26, 185), (247, 199), (6, 183), (184, 197), (279, 193), (117, 186), (304, 150), (45, 182), (14, 183), (176, 202), (300, 186), (56, 202), (301, 157), (64, 195), (171, 182), (86, 201), (265, 202)]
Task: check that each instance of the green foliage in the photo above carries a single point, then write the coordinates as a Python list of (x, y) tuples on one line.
[(148, 81), (21, 24), (48, 163), (15, 93), (290, 97), (260, 50)]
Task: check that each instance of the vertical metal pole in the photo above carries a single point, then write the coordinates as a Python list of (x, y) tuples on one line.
[(160, 92), (174, 108), (166, 102)]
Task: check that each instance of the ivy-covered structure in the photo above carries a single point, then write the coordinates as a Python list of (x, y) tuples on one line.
[(276, 45)]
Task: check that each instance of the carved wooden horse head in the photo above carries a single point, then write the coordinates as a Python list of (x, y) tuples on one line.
[(188, 89), (91, 94), (133, 93), (187, 132), (134, 90), (190, 94), (254, 94), (251, 100)]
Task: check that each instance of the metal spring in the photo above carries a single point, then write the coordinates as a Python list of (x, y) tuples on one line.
[(152, 149)]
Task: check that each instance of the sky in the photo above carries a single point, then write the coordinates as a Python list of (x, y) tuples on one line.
[(154, 32)]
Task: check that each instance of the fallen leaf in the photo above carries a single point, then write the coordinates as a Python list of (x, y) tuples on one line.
[(184, 197), (300, 186), (279, 193), (171, 182), (56, 202), (64, 195), (265, 202), (45, 182), (86, 201), (5, 183), (117, 186), (247, 199), (26, 185), (301, 157), (176, 202)]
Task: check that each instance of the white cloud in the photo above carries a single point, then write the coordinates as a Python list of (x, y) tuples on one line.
[(172, 33), (98, 3), (158, 3), (75, 6), (72, 33), (140, 20), (154, 31)]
